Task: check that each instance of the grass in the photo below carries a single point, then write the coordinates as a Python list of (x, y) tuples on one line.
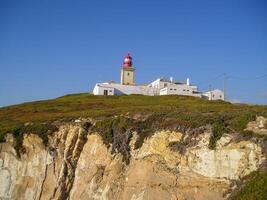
[(177, 112), (255, 187)]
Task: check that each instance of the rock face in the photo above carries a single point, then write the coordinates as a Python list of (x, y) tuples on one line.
[(77, 165), (258, 126)]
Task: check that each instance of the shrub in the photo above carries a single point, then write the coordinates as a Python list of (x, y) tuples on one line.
[(247, 134), (41, 129), (218, 128), (118, 132), (254, 188), (104, 128), (18, 143), (2, 137), (86, 125), (240, 121)]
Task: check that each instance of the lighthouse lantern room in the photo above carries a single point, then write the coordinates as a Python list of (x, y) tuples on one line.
[(127, 71)]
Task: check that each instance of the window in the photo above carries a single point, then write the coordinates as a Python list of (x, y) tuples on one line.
[(171, 89), (213, 95), (187, 90), (128, 74), (165, 84), (184, 90), (110, 90), (105, 92), (175, 89)]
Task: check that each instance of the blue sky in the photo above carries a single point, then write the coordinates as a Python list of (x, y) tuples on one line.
[(49, 48)]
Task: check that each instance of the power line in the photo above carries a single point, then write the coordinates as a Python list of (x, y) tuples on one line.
[(212, 79), (225, 81), (231, 77), (247, 78)]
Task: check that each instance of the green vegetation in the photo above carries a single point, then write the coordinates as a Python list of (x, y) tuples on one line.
[(239, 123), (42, 130), (141, 113), (18, 136), (255, 187), (218, 129), (2, 137), (108, 127)]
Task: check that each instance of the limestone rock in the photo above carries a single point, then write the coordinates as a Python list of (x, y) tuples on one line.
[(78, 165), (258, 126)]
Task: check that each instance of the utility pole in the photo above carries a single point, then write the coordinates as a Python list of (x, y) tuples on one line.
[(224, 85), (210, 91)]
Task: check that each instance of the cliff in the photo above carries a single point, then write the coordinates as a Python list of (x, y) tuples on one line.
[(78, 165), (132, 147)]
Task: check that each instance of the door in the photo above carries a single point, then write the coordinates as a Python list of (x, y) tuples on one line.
[(105, 92)]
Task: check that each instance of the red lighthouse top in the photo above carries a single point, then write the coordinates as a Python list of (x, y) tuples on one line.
[(127, 62)]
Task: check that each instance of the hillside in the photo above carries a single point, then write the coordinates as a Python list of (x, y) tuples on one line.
[(202, 146), (85, 105), (160, 112)]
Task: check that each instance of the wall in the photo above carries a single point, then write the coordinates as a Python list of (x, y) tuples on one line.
[(179, 89), (214, 95), (132, 89), (99, 90), (127, 76)]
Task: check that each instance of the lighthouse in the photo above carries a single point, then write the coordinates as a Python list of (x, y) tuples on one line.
[(127, 71)]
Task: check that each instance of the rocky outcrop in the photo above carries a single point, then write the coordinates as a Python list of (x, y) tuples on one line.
[(230, 160), (23, 178), (259, 126), (78, 165)]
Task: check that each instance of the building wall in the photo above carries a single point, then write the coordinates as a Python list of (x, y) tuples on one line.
[(127, 76), (164, 91), (214, 95), (158, 85), (132, 89), (119, 89), (179, 89), (100, 90)]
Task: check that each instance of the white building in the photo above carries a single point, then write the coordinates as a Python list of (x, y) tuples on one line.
[(119, 89), (160, 86), (103, 89), (214, 95)]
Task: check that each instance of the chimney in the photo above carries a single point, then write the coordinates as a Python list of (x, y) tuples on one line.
[(187, 82), (171, 79)]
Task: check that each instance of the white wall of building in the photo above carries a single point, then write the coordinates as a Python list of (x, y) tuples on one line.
[(163, 91), (179, 89), (101, 89), (158, 85), (119, 89), (214, 95)]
